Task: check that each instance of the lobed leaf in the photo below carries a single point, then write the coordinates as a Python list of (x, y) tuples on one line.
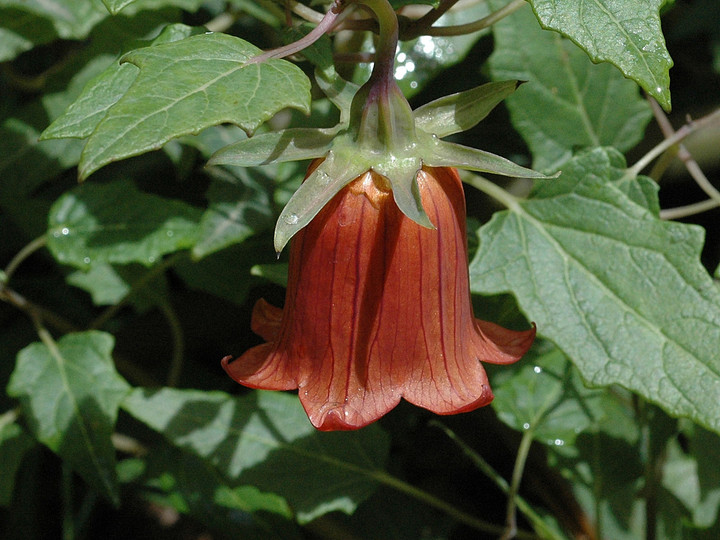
[(621, 292), (186, 86), (115, 223), (265, 440), (70, 394), (104, 90), (625, 33), (568, 103)]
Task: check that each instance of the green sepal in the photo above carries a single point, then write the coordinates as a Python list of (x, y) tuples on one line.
[(402, 174), (292, 144), (445, 154), (339, 91), (463, 110), (319, 188)]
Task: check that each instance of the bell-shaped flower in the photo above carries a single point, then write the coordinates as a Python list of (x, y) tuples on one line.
[(378, 303), (377, 309)]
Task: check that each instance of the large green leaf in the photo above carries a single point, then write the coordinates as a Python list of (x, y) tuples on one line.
[(621, 292), (626, 33), (116, 223), (265, 440), (186, 86), (569, 102), (70, 394), (104, 90)]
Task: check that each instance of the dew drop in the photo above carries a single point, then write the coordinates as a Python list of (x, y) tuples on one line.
[(56, 234), (526, 426), (170, 234), (559, 442), (537, 369), (323, 178), (86, 260), (65, 231), (151, 259), (292, 219)]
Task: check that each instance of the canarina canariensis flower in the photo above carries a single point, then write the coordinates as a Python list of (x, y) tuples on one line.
[(377, 309)]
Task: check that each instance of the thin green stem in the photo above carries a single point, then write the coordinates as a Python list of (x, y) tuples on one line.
[(537, 522), (518, 470), (110, 312), (496, 192), (672, 140), (684, 155), (689, 210), (445, 507), (23, 254), (420, 26), (323, 27), (178, 340), (388, 37), (476, 26)]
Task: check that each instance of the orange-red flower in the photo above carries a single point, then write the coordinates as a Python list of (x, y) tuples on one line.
[(377, 309)]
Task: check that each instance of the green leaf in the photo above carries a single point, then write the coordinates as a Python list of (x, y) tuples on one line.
[(72, 19), (463, 110), (276, 273), (109, 284), (186, 86), (21, 31), (116, 223), (226, 273), (70, 393), (104, 90), (115, 6), (238, 208), (14, 443), (191, 485), (568, 102), (621, 292), (625, 33), (546, 395), (265, 439)]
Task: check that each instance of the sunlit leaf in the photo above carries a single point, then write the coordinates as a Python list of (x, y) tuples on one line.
[(186, 86), (621, 292), (625, 33), (265, 439), (117, 223), (568, 102), (70, 393)]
